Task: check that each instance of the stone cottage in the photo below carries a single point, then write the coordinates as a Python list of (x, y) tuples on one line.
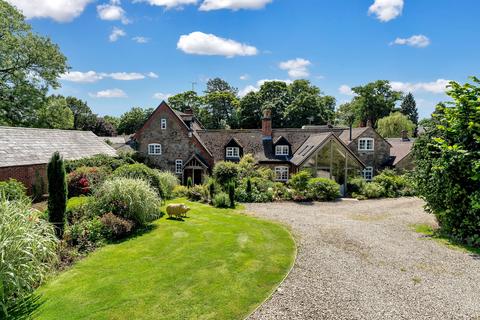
[(25, 152)]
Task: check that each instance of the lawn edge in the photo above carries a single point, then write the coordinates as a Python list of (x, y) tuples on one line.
[(275, 288)]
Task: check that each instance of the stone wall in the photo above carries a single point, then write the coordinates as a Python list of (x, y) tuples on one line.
[(376, 158)]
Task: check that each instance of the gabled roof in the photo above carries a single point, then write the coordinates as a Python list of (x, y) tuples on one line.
[(356, 132), (27, 146), (400, 148)]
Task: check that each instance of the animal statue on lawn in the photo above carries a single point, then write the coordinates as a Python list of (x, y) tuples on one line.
[(177, 210)]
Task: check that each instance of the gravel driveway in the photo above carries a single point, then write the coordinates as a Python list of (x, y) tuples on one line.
[(361, 260)]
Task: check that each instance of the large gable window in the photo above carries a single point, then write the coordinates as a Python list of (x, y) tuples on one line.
[(366, 144), (282, 150), (154, 149), (232, 152), (281, 173)]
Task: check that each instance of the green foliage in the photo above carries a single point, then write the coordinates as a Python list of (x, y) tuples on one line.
[(409, 108), (55, 114), (131, 199), (387, 184), (281, 192), (78, 208), (189, 182), (221, 200), (141, 171), (211, 189), (85, 235), (373, 190), (22, 309), (447, 159), (248, 189), (393, 125), (185, 101), (133, 120), (299, 182), (225, 172), (116, 227), (83, 117), (168, 181), (198, 193), (261, 190), (57, 192), (28, 252), (100, 160), (323, 189), (374, 101), (221, 109), (38, 187), (346, 115), (393, 183), (30, 65), (12, 190), (84, 179), (180, 191), (231, 194)]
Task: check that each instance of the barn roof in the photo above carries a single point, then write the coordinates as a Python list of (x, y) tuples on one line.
[(26, 146)]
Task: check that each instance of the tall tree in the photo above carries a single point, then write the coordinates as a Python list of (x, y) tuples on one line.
[(83, 117), (250, 111), (29, 65), (409, 108), (133, 120), (393, 125), (55, 114), (57, 193), (113, 121), (274, 96), (185, 100), (220, 85), (346, 115), (103, 128), (375, 100), (222, 108)]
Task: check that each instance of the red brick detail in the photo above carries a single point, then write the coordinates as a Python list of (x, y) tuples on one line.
[(25, 174)]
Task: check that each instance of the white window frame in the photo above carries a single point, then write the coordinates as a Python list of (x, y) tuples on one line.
[(367, 173), (282, 150), (282, 173), (363, 144), (178, 166), (232, 152), (163, 123), (154, 149)]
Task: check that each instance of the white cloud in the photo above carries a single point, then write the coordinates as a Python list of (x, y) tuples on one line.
[(58, 10), (169, 4), (140, 39), (386, 10), (418, 41), (162, 96), (112, 12), (346, 90), (251, 88), (244, 77), (438, 86), (208, 5), (209, 44), (109, 93), (297, 68), (152, 75), (116, 33), (78, 76), (126, 76)]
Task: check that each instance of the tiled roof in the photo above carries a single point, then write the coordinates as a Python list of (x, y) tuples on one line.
[(25, 146), (400, 148), (356, 132)]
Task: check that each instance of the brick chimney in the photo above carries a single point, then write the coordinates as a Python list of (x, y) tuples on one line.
[(188, 111), (369, 123), (267, 124), (405, 135)]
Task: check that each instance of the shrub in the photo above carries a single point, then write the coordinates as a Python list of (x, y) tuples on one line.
[(168, 181), (132, 199), (373, 190), (356, 185), (116, 227), (12, 190), (101, 160), (261, 190), (180, 191), (198, 193), (299, 182), (28, 252), (246, 167), (84, 179), (323, 189), (38, 187), (141, 171), (281, 192), (57, 193), (78, 208), (391, 182), (231, 194), (225, 172), (86, 234), (221, 200), (189, 182)]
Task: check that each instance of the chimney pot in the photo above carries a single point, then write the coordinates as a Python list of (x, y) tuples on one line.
[(369, 123), (267, 123)]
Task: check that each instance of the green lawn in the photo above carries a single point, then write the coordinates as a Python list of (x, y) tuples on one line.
[(217, 264)]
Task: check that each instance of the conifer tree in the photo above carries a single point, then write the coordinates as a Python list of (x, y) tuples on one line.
[(57, 193)]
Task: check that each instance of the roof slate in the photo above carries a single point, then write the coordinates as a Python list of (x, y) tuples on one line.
[(26, 146), (400, 149)]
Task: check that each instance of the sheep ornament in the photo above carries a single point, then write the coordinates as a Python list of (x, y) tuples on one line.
[(177, 210)]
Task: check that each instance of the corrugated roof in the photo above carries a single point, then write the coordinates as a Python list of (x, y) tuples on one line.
[(25, 146)]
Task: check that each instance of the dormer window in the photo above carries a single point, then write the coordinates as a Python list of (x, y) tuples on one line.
[(366, 144), (163, 123), (282, 150), (232, 152)]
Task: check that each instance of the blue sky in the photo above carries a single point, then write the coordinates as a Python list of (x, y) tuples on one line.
[(416, 44)]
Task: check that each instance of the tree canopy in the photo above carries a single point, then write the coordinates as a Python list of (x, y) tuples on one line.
[(409, 108), (29, 65), (133, 120), (393, 125)]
